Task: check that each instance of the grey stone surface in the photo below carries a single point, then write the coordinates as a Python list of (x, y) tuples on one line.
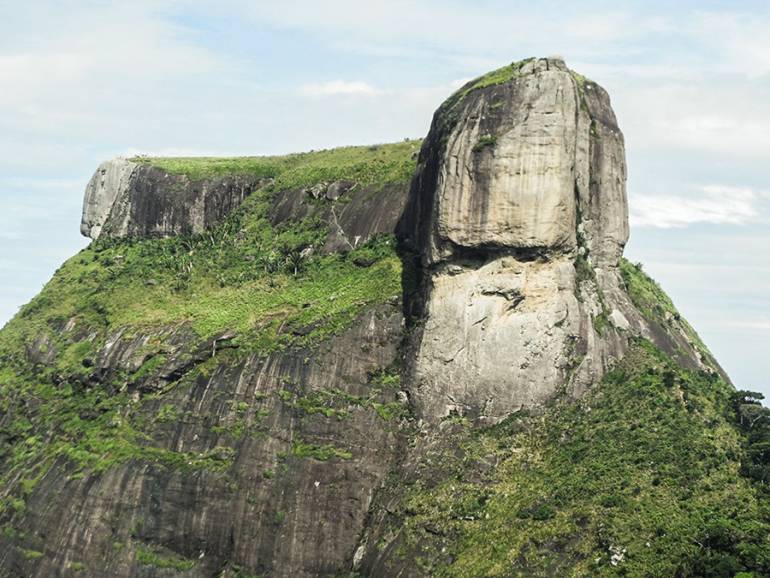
[(273, 512), (520, 165), (129, 199), (517, 184), (110, 181)]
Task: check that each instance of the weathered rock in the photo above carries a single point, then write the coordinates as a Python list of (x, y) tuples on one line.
[(278, 509), (364, 212), (518, 212), (129, 199), (111, 180), (337, 189), (494, 337), (519, 166)]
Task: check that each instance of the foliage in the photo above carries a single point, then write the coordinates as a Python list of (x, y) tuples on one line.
[(149, 557), (337, 403), (657, 471), (224, 280), (367, 165), (484, 142), (244, 276), (31, 554), (753, 420), (323, 453), (653, 302), (641, 477), (493, 78)]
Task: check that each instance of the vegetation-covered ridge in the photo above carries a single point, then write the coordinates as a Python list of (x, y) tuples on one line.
[(641, 477), (245, 275), (367, 165), (652, 302), (657, 471)]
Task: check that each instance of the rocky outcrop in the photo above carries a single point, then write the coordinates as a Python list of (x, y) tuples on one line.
[(522, 165), (353, 214), (130, 199), (111, 180), (518, 213)]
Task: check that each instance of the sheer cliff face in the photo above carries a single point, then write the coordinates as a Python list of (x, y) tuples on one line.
[(518, 212), (129, 199), (533, 164)]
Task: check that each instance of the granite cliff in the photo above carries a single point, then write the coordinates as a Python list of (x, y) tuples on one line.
[(398, 360)]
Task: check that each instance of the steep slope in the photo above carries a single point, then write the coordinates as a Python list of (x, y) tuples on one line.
[(308, 366), (195, 405)]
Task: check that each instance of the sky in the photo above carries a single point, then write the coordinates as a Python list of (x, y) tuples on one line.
[(83, 81)]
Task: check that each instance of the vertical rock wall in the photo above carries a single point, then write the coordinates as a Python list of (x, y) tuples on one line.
[(519, 215), (129, 199)]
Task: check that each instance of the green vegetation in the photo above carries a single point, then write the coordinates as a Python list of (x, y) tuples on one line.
[(30, 554), (254, 280), (151, 558), (657, 471), (168, 413), (579, 79), (484, 142), (237, 278), (494, 78), (498, 76), (641, 477), (323, 453), (585, 272), (367, 165), (753, 420), (653, 302), (337, 403)]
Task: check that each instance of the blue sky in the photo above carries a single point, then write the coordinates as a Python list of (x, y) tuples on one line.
[(83, 81)]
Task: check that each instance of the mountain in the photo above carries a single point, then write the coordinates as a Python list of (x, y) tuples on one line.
[(416, 359)]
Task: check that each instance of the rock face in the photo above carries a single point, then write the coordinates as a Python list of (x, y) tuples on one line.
[(518, 213), (277, 511), (129, 199), (352, 214), (520, 166)]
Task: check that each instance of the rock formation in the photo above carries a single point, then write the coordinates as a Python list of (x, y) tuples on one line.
[(240, 417), (129, 199), (518, 211)]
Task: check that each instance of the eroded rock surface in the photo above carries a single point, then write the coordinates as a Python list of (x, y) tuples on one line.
[(292, 493), (518, 213), (129, 199), (519, 166)]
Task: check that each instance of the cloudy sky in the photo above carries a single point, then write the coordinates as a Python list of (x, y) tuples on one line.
[(83, 81)]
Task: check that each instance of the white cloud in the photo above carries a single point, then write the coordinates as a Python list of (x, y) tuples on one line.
[(740, 41), (756, 324), (339, 87), (453, 30), (696, 112), (718, 205)]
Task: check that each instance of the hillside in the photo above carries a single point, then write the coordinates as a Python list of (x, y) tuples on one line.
[(426, 358)]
